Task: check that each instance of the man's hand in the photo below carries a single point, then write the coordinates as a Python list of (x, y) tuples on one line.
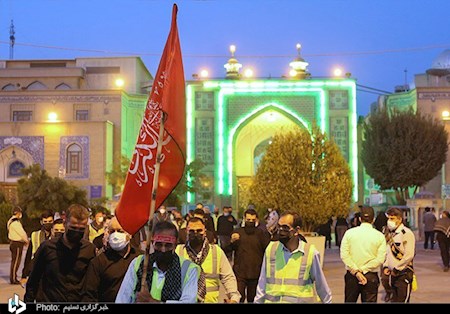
[(145, 297), (234, 237), (362, 280), (386, 271), (229, 301)]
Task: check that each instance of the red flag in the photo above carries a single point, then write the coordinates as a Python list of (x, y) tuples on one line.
[(168, 95)]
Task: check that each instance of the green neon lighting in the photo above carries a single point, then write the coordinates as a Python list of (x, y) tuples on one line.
[(224, 163), (240, 122), (252, 88), (354, 142), (220, 165), (189, 134)]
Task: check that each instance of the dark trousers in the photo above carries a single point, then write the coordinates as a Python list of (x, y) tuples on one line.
[(385, 282), (401, 287), (444, 247), (247, 287), (225, 241), (429, 237), (368, 292), (16, 249)]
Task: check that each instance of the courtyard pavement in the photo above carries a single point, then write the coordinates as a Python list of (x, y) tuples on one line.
[(433, 283)]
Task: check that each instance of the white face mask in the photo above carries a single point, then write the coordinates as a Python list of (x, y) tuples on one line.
[(226, 214), (391, 225), (162, 211), (118, 240)]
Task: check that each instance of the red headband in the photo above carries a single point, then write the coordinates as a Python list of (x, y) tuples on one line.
[(164, 238)]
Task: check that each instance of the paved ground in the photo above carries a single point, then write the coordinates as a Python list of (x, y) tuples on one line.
[(432, 281)]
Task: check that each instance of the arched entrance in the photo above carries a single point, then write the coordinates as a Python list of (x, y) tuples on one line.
[(250, 143), (12, 160)]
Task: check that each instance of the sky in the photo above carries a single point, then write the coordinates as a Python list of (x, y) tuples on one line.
[(382, 43)]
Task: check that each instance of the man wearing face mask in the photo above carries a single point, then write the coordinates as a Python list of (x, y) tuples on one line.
[(248, 243), (60, 264), (215, 267), (58, 228), (170, 278), (401, 245), (106, 271), (18, 238), (225, 227), (96, 226), (37, 237), (291, 271)]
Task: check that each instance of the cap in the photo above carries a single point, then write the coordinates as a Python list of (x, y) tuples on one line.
[(367, 212)]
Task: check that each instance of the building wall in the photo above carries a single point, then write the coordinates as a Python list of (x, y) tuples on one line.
[(65, 87), (226, 116)]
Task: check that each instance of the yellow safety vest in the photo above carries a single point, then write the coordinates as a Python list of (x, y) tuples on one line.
[(289, 282), (35, 241), (210, 267), (94, 233), (156, 290)]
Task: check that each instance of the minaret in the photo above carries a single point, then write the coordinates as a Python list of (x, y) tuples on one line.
[(12, 40), (233, 66), (299, 65)]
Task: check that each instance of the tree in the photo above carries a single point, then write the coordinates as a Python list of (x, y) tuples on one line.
[(305, 173), (116, 177), (37, 192), (194, 185), (403, 150)]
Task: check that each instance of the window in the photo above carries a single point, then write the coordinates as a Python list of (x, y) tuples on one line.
[(15, 169), (73, 163), (22, 115), (82, 115)]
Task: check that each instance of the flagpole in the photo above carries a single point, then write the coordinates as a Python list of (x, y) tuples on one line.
[(153, 200)]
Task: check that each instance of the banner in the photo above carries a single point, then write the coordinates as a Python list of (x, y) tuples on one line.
[(168, 95)]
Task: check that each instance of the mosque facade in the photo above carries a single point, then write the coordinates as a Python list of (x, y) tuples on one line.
[(231, 121)]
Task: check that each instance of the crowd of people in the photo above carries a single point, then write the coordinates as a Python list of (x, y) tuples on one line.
[(88, 257)]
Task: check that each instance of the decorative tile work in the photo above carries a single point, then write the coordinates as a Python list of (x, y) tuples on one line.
[(83, 141), (339, 132), (204, 139), (204, 101), (58, 98), (304, 106), (34, 145), (338, 99)]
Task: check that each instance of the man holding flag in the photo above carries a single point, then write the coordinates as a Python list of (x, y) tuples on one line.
[(158, 160)]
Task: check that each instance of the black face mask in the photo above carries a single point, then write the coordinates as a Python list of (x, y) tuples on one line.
[(74, 236), (47, 226), (58, 234), (284, 236), (196, 239), (249, 227), (163, 257)]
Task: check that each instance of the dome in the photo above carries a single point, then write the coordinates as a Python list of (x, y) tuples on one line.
[(442, 61)]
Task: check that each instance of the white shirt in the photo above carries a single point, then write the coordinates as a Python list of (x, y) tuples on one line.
[(363, 248)]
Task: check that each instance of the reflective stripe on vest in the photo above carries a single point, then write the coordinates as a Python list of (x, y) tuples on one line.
[(35, 241), (289, 282), (185, 266), (210, 267)]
